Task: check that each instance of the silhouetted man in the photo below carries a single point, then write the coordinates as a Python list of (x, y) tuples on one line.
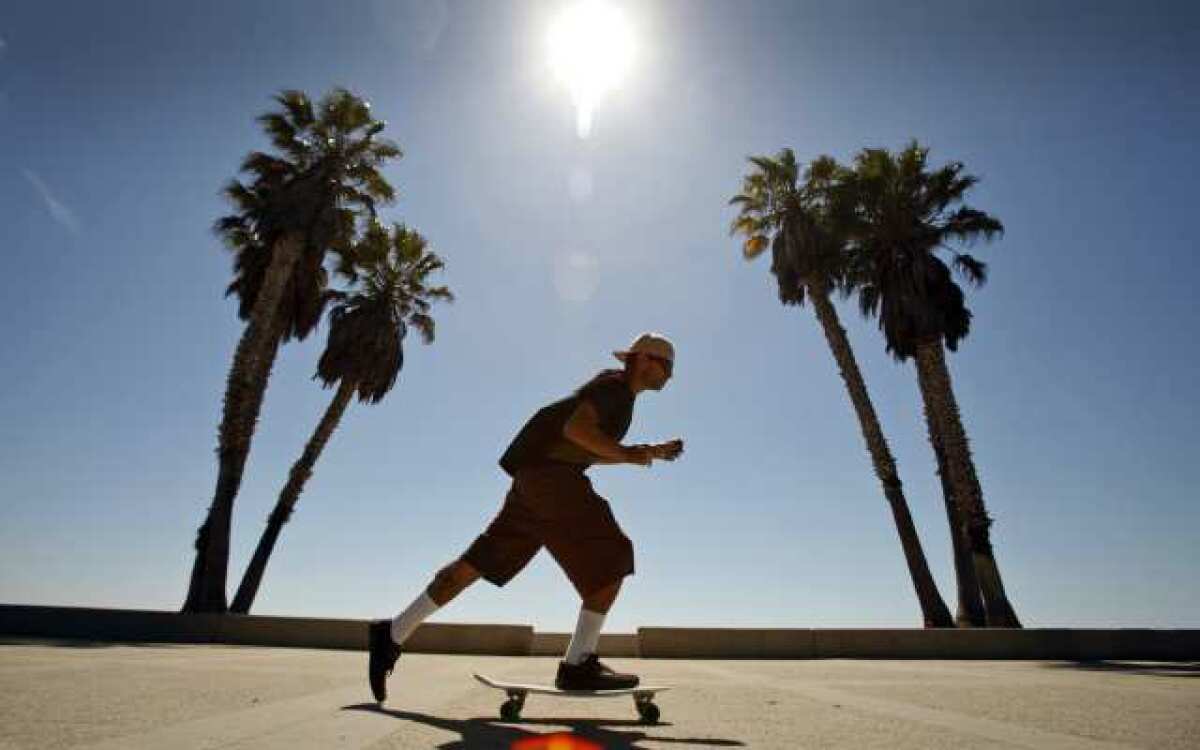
[(551, 503)]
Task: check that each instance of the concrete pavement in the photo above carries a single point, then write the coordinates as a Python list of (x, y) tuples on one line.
[(90, 695)]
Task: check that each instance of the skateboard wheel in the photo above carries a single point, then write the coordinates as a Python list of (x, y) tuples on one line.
[(510, 710), (649, 712)]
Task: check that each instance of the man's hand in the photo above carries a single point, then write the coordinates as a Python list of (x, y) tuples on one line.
[(668, 451)]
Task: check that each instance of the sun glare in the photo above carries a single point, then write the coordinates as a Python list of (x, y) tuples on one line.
[(591, 49)]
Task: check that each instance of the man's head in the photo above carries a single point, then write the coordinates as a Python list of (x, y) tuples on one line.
[(649, 361)]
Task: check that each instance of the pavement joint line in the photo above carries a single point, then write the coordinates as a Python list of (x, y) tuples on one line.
[(999, 731)]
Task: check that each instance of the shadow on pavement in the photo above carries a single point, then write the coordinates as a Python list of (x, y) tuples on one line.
[(491, 733), (1151, 668)]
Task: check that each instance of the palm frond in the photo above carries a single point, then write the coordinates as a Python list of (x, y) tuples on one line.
[(754, 245), (265, 167), (868, 300), (968, 224), (372, 182), (243, 198), (974, 271), (747, 225), (298, 106)]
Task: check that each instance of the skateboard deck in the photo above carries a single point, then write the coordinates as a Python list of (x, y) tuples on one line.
[(510, 710)]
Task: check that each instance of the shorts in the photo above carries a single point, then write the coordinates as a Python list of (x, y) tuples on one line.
[(554, 506)]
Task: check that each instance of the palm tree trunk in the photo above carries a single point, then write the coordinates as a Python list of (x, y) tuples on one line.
[(938, 392), (300, 473), (933, 607), (970, 605), (244, 389)]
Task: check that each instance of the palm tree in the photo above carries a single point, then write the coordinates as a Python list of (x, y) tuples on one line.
[(904, 215), (364, 356), (300, 204), (801, 223), (970, 603)]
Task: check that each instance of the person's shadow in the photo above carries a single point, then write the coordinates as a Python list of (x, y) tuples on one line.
[(490, 733)]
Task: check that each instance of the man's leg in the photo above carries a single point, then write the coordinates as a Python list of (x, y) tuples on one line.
[(602, 600), (591, 621), (596, 562), (505, 547), (449, 582)]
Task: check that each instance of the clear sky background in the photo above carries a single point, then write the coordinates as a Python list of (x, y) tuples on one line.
[(119, 123)]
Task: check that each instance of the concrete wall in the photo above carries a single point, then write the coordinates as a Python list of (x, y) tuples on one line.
[(611, 644), (306, 632), (981, 643), (725, 643), (691, 643)]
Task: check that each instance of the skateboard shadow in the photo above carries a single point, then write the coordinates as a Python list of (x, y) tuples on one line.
[(492, 733)]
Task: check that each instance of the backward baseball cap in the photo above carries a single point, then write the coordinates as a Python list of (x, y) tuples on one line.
[(649, 343)]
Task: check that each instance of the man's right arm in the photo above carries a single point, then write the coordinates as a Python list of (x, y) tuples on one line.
[(583, 429)]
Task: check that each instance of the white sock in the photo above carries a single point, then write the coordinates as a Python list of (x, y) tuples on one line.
[(587, 635), (408, 620)]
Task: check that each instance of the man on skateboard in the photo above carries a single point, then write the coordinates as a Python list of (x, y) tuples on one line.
[(551, 503)]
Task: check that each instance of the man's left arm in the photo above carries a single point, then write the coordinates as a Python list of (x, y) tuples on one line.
[(668, 451)]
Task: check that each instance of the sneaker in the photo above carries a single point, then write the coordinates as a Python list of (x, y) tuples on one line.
[(384, 653), (590, 674)]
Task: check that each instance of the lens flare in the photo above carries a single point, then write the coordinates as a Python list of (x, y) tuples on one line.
[(556, 741)]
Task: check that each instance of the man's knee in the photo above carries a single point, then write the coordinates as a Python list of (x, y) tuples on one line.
[(450, 581), (602, 600), (458, 573)]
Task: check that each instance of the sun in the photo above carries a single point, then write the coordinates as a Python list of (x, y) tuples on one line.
[(591, 50)]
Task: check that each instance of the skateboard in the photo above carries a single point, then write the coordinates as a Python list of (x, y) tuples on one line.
[(510, 710)]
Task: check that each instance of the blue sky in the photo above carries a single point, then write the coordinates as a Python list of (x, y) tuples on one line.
[(120, 123)]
